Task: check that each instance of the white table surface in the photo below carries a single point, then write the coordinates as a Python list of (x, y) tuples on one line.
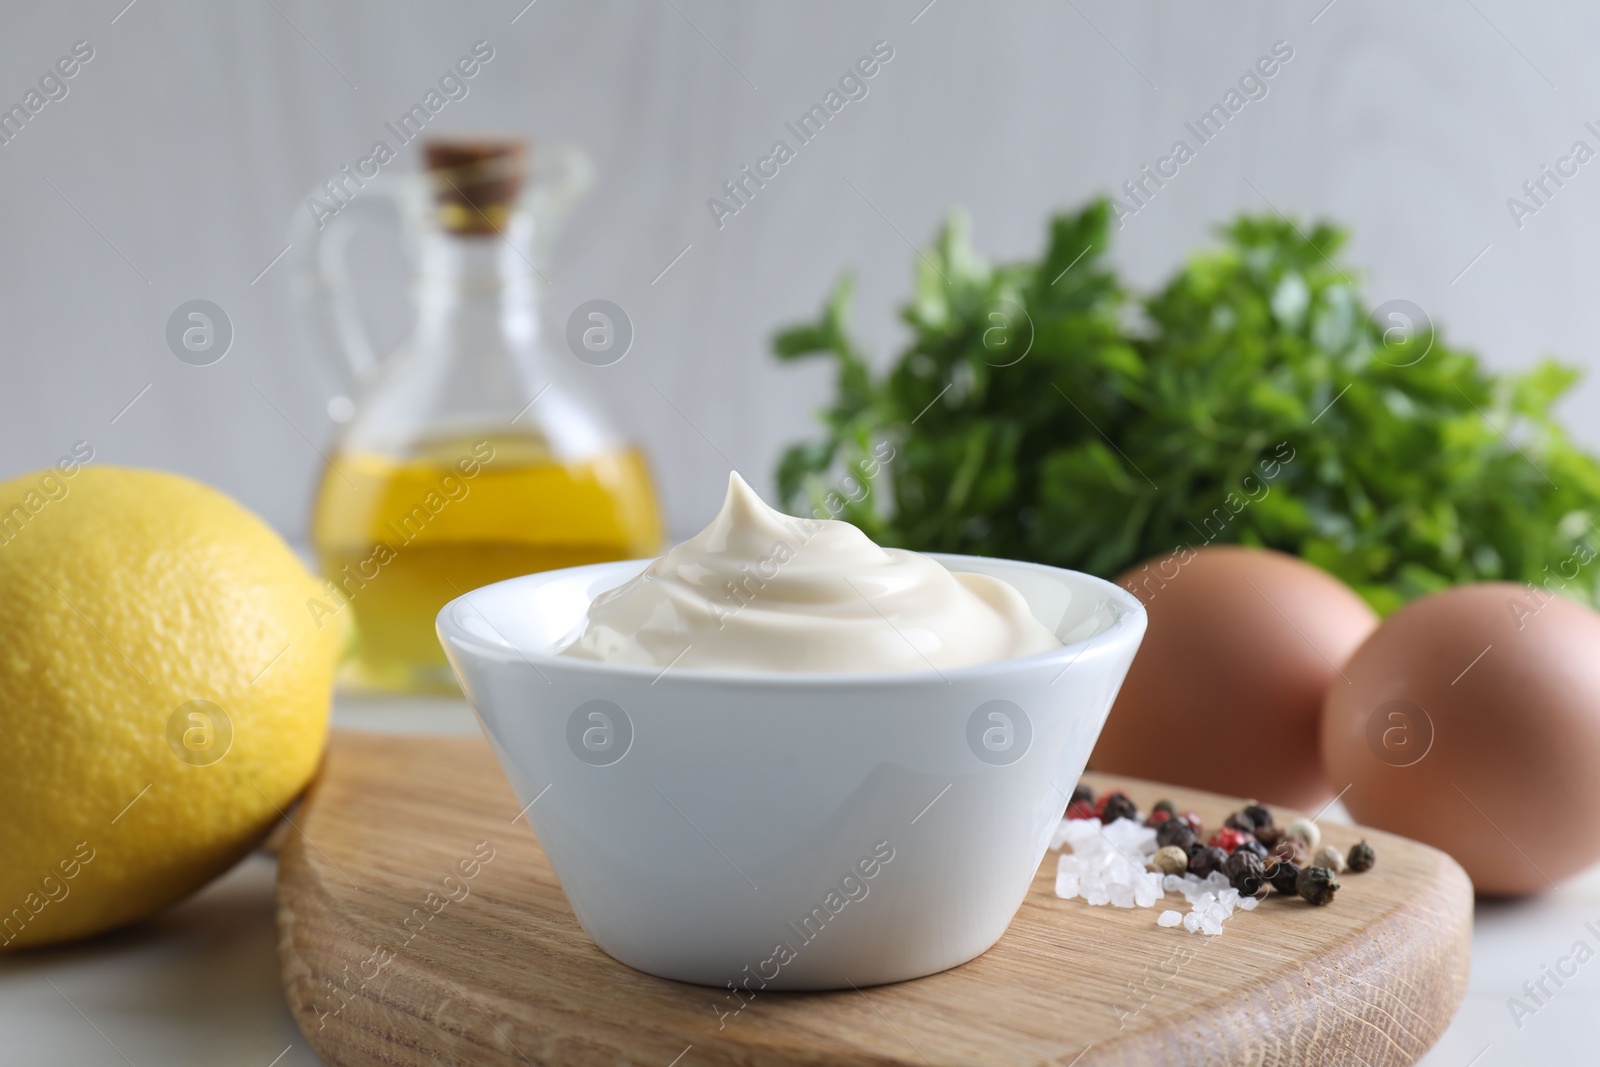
[(199, 984)]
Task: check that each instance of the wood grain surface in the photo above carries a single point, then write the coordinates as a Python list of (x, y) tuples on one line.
[(419, 923)]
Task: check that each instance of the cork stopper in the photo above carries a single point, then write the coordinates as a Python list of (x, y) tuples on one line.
[(476, 180)]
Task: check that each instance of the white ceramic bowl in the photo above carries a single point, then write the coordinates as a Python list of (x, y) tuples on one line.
[(804, 831)]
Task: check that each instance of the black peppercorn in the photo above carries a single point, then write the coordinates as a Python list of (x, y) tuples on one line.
[(1269, 835), (1316, 885), (1117, 806), (1245, 872), (1207, 859), (1166, 806), (1284, 877), (1174, 832), (1361, 857), (1083, 793), (1240, 821), (1258, 814), (1252, 846)]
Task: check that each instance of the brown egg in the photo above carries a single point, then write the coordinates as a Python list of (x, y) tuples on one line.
[(1226, 692), (1472, 722)]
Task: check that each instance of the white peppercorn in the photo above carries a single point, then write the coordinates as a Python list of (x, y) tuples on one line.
[(1331, 858)]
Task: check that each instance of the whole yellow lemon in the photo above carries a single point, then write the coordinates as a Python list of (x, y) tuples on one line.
[(164, 693)]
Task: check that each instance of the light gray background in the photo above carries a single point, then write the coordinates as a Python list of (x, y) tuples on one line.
[(189, 142), (194, 134)]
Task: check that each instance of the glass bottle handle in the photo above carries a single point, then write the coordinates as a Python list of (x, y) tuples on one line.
[(322, 278)]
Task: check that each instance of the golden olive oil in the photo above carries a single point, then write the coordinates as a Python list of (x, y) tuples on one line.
[(399, 538)]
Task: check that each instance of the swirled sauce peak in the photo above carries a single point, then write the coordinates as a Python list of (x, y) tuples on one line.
[(758, 590)]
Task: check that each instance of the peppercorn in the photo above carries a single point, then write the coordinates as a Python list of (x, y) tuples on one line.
[(1209, 858), (1331, 858), (1174, 832), (1252, 846), (1114, 806), (1361, 857), (1291, 849), (1284, 877), (1258, 814), (1316, 885), (1166, 806), (1080, 809), (1241, 822), (1269, 835), (1306, 831), (1193, 820), (1156, 818), (1083, 793), (1227, 839), (1245, 872), (1170, 860)]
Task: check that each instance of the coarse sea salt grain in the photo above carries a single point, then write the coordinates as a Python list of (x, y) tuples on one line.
[(1107, 865)]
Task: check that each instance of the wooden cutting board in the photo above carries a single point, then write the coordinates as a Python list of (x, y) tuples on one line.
[(392, 953)]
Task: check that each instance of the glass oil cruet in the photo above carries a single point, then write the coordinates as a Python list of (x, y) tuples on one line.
[(471, 455)]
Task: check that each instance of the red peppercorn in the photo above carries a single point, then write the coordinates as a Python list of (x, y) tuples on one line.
[(1157, 817), (1228, 839), (1080, 809)]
